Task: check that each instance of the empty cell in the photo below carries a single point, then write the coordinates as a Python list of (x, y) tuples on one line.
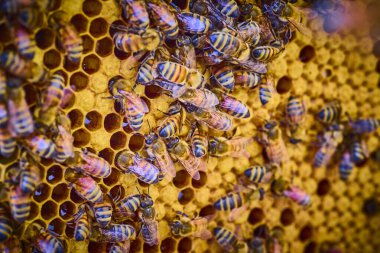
[(93, 121), (118, 140), (96, 247), (256, 216), (91, 64), (307, 53), (92, 8), (150, 249), (80, 22), (76, 118), (323, 187), (306, 233), (98, 27), (57, 226), (185, 196), (88, 44), (113, 178), (78, 81), (184, 245), (284, 85), (44, 38), (136, 142), (120, 54), (181, 179), (49, 210), (54, 174), (310, 248), (52, 59), (207, 210), (75, 197), (107, 154), (42, 192), (81, 137), (70, 66), (68, 99), (287, 217), (104, 47), (66, 210), (30, 94), (168, 245), (112, 122), (136, 245), (201, 182), (34, 211), (153, 91), (60, 192)]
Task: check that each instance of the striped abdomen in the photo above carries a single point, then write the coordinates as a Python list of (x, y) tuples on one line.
[(128, 42), (224, 77), (120, 247), (224, 237), (19, 203), (169, 126), (265, 53), (48, 243), (228, 8), (25, 43), (359, 152), (135, 122), (362, 126), (345, 166), (88, 189), (229, 202), (95, 166), (224, 43), (20, 119), (6, 229), (63, 145), (234, 107), (149, 232), (3, 84), (129, 204), (172, 72), (41, 146), (322, 157), (202, 98), (103, 213), (246, 79), (145, 171), (28, 181), (137, 14), (31, 18), (82, 228), (256, 173), (330, 113), (249, 32), (3, 116), (218, 120), (165, 20), (144, 75), (54, 92), (295, 110), (15, 65), (7, 143), (118, 232), (194, 23), (72, 43), (199, 144)]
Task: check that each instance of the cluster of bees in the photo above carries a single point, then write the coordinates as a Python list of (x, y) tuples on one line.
[(197, 58)]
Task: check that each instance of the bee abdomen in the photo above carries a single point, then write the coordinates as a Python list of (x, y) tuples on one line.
[(256, 173), (6, 229), (229, 202)]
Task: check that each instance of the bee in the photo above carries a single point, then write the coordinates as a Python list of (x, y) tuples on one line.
[(20, 122), (118, 233), (227, 240), (29, 175), (185, 52), (130, 42), (40, 146), (11, 7), (359, 152), (249, 31), (266, 53), (228, 8), (7, 143), (234, 147), (3, 115), (329, 143), (144, 75), (87, 188), (362, 126), (211, 56), (102, 212), (19, 203), (172, 124), (13, 63), (274, 145), (63, 140), (214, 119), (93, 165), (164, 19), (6, 225), (246, 78), (330, 113), (31, 18), (267, 93), (81, 223), (345, 166), (25, 43), (46, 242), (224, 42), (258, 245), (194, 23), (181, 151), (120, 247), (136, 13), (53, 94), (149, 231), (158, 151), (275, 241), (202, 98), (233, 107), (224, 77), (298, 195), (68, 35), (199, 142), (295, 111), (3, 84), (127, 207), (259, 174), (183, 226)]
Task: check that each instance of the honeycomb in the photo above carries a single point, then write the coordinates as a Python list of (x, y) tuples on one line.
[(319, 67)]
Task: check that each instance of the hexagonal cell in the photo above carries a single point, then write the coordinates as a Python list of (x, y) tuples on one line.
[(120, 54), (54, 174), (114, 27), (112, 122), (76, 118), (104, 47), (78, 81), (326, 73), (88, 44), (75, 197), (136, 245), (184, 245), (30, 94), (181, 179), (67, 210), (81, 137), (46, 162), (68, 99), (80, 22), (306, 233), (153, 91), (284, 85), (323, 187), (52, 59), (256, 216), (147, 102), (91, 64), (307, 53), (49, 210), (207, 210), (136, 142), (34, 211), (185, 196), (71, 66), (168, 245), (60, 192), (118, 140), (44, 38), (261, 231), (57, 226), (311, 247), (150, 249), (201, 182), (91, 8), (98, 27), (5, 35), (113, 178), (96, 247), (42, 192), (107, 154), (287, 217), (93, 121), (53, 5)]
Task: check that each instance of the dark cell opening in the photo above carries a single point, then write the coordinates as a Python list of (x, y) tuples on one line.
[(287, 217), (104, 47), (88, 44), (112, 122), (118, 140), (323, 187), (284, 85), (78, 81), (168, 245), (52, 59), (307, 53), (256, 216), (60, 192), (44, 38), (136, 142), (185, 196), (184, 245), (92, 7), (181, 179), (201, 182), (80, 22), (93, 121), (306, 233), (49, 210), (81, 138), (66, 210), (91, 64), (153, 91), (42, 192), (98, 27)]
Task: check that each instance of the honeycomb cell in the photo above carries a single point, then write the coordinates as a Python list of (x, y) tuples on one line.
[(80, 22), (91, 8), (66, 210), (71, 66), (113, 178), (53, 5), (30, 94), (181, 179), (104, 47), (306, 233), (54, 174), (185, 196), (287, 217), (81, 137), (49, 210), (96, 247), (107, 154), (120, 54), (147, 102), (112, 122), (323, 187), (201, 182), (98, 27), (46, 162), (207, 210), (88, 44), (44, 38), (136, 142), (136, 246), (93, 121), (34, 211), (126, 127), (118, 140), (78, 81), (52, 59), (311, 248), (150, 249), (378, 66), (76, 118), (326, 73), (42, 193), (256, 216), (57, 226), (153, 91), (114, 27), (376, 49), (91, 64), (307, 53), (184, 245), (60, 192), (284, 85), (75, 197), (168, 245)]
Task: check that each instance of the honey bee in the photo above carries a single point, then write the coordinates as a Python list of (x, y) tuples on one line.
[(227, 240), (259, 173), (298, 195), (144, 75), (246, 78), (13, 63), (118, 233), (199, 142), (29, 175), (266, 53), (20, 122), (234, 147), (214, 119), (164, 19), (249, 31), (3, 115), (295, 111), (224, 42), (329, 143), (127, 207), (211, 56), (82, 224), (31, 18), (172, 124), (202, 98), (268, 94), (53, 94), (194, 23), (11, 7), (136, 13), (274, 145), (275, 241), (46, 242), (233, 107), (6, 224), (40, 146), (129, 42), (363, 126), (3, 85), (157, 150), (185, 52), (345, 166), (69, 37), (120, 247), (93, 165), (359, 152), (228, 8), (87, 188), (183, 226), (224, 77), (7, 143), (102, 212), (25, 43), (181, 151), (63, 140), (149, 231), (19, 203), (331, 113)]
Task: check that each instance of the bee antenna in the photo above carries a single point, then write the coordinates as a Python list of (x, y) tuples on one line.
[(150, 129), (138, 190), (148, 189)]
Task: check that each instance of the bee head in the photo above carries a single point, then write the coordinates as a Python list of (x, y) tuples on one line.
[(175, 226), (150, 138), (171, 142), (145, 201)]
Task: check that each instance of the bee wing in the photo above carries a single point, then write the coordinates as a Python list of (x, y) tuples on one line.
[(300, 27), (166, 164), (237, 212), (192, 166), (204, 234), (255, 66)]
